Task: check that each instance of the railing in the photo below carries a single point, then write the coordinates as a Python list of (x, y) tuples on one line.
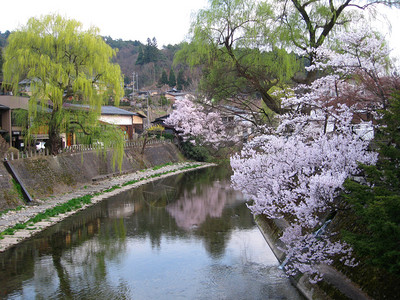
[(79, 148)]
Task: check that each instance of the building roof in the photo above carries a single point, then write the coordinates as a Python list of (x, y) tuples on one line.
[(113, 110), (105, 110)]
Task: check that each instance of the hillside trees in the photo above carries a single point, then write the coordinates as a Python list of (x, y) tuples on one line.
[(171, 78), (149, 53), (163, 79), (62, 61)]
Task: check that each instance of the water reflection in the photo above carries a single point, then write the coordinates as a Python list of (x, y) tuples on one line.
[(188, 236), (194, 206)]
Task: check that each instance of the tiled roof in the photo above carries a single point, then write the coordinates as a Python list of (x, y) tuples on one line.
[(105, 110), (112, 110)]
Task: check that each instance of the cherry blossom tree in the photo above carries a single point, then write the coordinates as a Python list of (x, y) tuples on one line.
[(195, 124), (296, 171)]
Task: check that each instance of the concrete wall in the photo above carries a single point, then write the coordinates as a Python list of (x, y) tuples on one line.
[(45, 176)]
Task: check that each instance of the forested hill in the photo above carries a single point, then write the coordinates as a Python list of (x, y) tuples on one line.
[(152, 65)]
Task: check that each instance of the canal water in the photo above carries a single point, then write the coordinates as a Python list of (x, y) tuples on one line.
[(188, 236)]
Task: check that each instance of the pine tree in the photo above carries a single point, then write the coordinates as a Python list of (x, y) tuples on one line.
[(172, 78), (164, 78), (180, 81), (140, 58)]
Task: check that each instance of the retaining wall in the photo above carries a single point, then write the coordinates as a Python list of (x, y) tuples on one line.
[(45, 176)]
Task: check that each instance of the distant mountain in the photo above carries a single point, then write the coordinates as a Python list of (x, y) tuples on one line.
[(148, 62)]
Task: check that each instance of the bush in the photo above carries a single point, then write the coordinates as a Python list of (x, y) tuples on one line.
[(195, 152)]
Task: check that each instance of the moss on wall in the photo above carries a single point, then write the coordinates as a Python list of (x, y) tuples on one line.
[(9, 196)]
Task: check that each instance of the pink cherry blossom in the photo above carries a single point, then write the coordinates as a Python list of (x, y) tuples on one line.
[(297, 170)]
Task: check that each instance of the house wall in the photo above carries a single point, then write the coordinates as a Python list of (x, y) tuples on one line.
[(116, 120), (14, 102), (137, 120)]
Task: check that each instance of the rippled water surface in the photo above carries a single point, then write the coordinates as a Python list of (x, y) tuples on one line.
[(189, 236)]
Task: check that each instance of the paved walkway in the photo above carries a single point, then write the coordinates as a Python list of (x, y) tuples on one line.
[(12, 218)]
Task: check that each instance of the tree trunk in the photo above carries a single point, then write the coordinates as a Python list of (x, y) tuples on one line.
[(55, 142)]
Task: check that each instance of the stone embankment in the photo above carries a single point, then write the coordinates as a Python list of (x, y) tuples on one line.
[(335, 284), (99, 189), (43, 176)]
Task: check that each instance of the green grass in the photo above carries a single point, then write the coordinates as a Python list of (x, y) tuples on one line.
[(161, 166)]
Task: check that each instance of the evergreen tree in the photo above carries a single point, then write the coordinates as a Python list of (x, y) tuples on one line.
[(164, 78), (376, 202), (154, 42), (180, 81), (147, 55), (172, 78), (140, 58)]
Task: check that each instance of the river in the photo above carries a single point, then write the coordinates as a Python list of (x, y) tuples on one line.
[(188, 236)]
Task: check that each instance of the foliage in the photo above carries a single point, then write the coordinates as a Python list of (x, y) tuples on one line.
[(62, 61), (247, 47), (18, 188), (118, 44), (156, 129), (164, 101), (195, 152), (376, 200), (171, 78), (235, 43), (163, 79), (149, 54), (181, 82)]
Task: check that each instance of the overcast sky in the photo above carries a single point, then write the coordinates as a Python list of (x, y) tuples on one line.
[(166, 20)]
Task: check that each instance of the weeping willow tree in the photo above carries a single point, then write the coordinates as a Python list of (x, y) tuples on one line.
[(64, 62), (248, 46), (235, 42)]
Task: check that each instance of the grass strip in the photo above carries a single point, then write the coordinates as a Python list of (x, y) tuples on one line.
[(70, 205)]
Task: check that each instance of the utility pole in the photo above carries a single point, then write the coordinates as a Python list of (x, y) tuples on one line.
[(148, 111), (133, 83)]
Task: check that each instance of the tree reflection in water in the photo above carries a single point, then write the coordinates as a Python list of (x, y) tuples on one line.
[(141, 243)]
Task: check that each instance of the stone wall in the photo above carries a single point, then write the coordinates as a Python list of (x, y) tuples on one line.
[(9, 196), (45, 176)]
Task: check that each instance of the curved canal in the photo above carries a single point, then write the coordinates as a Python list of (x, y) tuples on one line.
[(188, 236)]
